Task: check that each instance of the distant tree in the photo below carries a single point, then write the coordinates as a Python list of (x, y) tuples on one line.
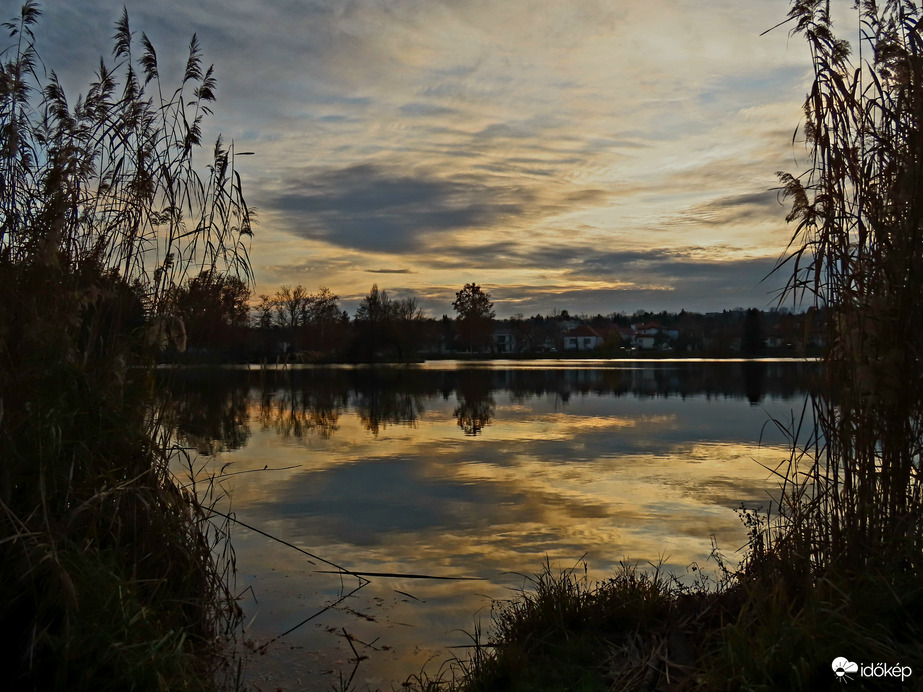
[(475, 315), (472, 302), (291, 306), (264, 312), (325, 323), (612, 341), (214, 309), (752, 340), (304, 320), (374, 307), (406, 326), (373, 318), (407, 309), (393, 327), (448, 335), (322, 307), (522, 332)]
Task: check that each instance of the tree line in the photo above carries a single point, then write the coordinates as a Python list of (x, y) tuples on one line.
[(218, 322), (223, 321)]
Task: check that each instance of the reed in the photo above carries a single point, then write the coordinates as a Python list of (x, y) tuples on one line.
[(835, 569), (856, 491), (116, 577)]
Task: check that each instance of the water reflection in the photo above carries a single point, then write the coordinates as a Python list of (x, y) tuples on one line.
[(475, 402), (299, 412), (482, 471), (212, 404), (753, 381), (210, 410)]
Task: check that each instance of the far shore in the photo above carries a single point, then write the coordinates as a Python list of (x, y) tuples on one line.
[(474, 360)]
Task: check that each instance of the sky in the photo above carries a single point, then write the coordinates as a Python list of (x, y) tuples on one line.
[(593, 156)]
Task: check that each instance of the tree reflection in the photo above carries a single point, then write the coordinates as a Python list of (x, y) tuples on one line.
[(753, 373), (210, 411), (475, 402), (378, 408), (213, 406), (298, 413)]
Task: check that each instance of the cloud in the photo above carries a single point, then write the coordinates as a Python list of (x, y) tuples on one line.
[(515, 141), (624, 282), (739, 209), (367, 207)]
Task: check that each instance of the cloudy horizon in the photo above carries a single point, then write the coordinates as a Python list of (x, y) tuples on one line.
[(593, 156)]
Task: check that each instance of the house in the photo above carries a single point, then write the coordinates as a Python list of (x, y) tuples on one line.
[(650, 335), (625, 334), (645, 342), (582, 338), (503, 340)]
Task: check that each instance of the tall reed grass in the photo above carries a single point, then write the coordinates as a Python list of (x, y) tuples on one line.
[(112, 571), (856, 489)]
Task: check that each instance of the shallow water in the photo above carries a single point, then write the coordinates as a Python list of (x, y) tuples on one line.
[(484, 471)]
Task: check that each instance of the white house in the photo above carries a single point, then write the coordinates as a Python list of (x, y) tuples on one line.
[(504, 341), (582, 338), (650, 334)]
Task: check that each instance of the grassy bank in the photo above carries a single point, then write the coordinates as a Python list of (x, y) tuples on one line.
[(111, 569), (110, 575), (768, 626), (776, 621)]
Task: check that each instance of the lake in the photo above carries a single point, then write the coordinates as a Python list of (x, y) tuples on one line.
[(477, 472)]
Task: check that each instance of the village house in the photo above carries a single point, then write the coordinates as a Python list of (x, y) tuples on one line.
[(504, 341), (582, 338), (651, 335)]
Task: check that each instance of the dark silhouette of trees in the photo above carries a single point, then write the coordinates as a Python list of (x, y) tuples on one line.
[(406, 327), (214, 310), (326, 323), (323, 307), (475, 316), (264, 312), (752, 341), (387, 328), (305, 321), (375, 307), (372, 324), (290, 306)]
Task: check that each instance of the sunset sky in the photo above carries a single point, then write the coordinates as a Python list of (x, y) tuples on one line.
[(590, 155)]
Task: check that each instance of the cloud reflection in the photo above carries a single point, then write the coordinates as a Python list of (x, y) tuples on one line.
[(370, 468)]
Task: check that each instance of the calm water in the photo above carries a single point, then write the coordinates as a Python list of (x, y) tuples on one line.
[(449, 470)]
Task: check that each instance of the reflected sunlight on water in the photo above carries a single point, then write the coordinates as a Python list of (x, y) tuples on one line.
[(485, 472)]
